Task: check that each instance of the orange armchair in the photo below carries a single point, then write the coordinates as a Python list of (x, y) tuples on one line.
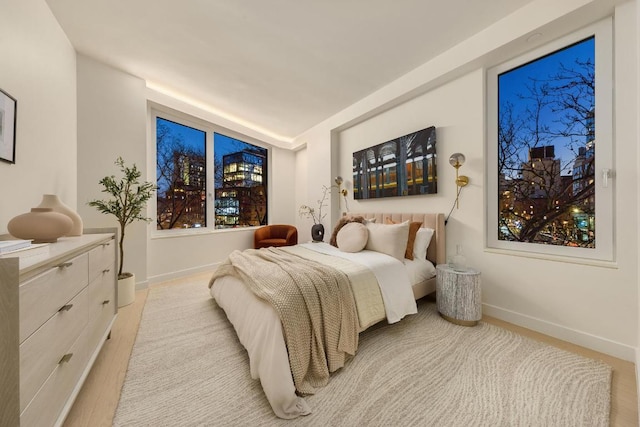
[(275, 235)]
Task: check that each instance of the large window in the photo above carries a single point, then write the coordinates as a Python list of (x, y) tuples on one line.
[(181, 176), (241, 183), (550, 145), (207, 178)]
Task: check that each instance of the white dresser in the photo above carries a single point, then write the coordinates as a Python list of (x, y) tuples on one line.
[(56, 311)]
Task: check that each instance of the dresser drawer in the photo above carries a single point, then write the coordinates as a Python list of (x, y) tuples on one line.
[(41, 352), (101, 290), (46, 407), (102, 307), (101, 258), (42, 296), (37, 382)]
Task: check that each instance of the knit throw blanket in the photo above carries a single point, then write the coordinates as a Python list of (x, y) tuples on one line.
[(315, 304)]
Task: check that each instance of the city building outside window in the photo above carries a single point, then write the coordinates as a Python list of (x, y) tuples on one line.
[(550, 149), (241, 184), (207, 178)]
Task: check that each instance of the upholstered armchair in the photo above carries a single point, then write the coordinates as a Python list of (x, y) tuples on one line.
[(275, 235)]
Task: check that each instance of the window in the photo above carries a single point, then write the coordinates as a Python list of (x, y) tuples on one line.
[(237, 175), (550, 149), (241, 190), (181, 176)]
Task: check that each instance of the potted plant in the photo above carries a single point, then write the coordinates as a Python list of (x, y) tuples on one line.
[(128, 198), (317, 230)]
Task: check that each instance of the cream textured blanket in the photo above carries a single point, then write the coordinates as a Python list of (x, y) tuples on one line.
[(315, 304)]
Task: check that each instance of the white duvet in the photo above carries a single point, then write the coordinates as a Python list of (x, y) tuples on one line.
[(259, 329)]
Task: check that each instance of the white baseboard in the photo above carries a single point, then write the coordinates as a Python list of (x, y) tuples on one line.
[(142, 285), (181, 273), (603, 345)]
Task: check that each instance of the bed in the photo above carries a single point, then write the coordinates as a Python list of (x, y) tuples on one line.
[(358, 289)]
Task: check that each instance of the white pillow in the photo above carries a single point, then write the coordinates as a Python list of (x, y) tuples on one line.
[(420, 245), (390, 239), (352, 237)]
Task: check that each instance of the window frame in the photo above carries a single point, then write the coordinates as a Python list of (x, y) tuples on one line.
[(156, 111), (604, 195)]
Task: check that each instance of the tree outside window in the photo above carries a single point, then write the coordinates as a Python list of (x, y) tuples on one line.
[(547, 148), (181, 176)]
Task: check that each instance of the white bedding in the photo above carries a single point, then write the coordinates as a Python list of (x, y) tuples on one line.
[(260, 331), (419, 270), (392, 276)]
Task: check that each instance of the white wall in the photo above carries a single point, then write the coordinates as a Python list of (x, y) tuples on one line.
[(282, 184), (38, 70), (112, 114), (313, 170), (458, 129), (590, 305), (112, 122), (300, 178)]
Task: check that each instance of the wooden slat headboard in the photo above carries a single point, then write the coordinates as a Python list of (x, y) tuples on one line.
[(436, 253)]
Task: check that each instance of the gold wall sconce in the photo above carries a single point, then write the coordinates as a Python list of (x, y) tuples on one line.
[(339, 182), (456, 160), (343, 191)]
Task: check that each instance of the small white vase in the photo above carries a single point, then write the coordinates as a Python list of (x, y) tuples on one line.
[(53, 202)]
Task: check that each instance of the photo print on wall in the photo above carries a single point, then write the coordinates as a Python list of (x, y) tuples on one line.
[(403, 166), (7, 127)]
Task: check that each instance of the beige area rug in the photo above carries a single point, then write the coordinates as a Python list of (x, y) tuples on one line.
[(188, 369)]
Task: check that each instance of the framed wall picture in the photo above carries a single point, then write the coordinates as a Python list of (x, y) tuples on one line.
[(404, 166), (7, 127)]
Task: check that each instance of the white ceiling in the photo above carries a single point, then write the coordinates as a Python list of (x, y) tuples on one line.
[(282, 66)]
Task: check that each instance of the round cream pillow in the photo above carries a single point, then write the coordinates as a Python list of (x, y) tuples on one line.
[(352, 237)]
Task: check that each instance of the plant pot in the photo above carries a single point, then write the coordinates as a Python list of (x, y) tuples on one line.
[(126, 290), (317, 232)]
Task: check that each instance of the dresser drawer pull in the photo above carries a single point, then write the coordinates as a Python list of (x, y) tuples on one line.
[(65, 358), (106, 270), (65, 307), (65, 264), (105, 245), (105, 302)]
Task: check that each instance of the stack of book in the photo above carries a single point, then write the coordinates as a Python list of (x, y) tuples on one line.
[(12, 245), (22, 248)]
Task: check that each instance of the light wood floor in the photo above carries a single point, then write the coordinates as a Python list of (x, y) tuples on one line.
[(98, 399)]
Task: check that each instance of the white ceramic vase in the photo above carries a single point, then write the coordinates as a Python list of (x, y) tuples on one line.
[(53, 202)]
